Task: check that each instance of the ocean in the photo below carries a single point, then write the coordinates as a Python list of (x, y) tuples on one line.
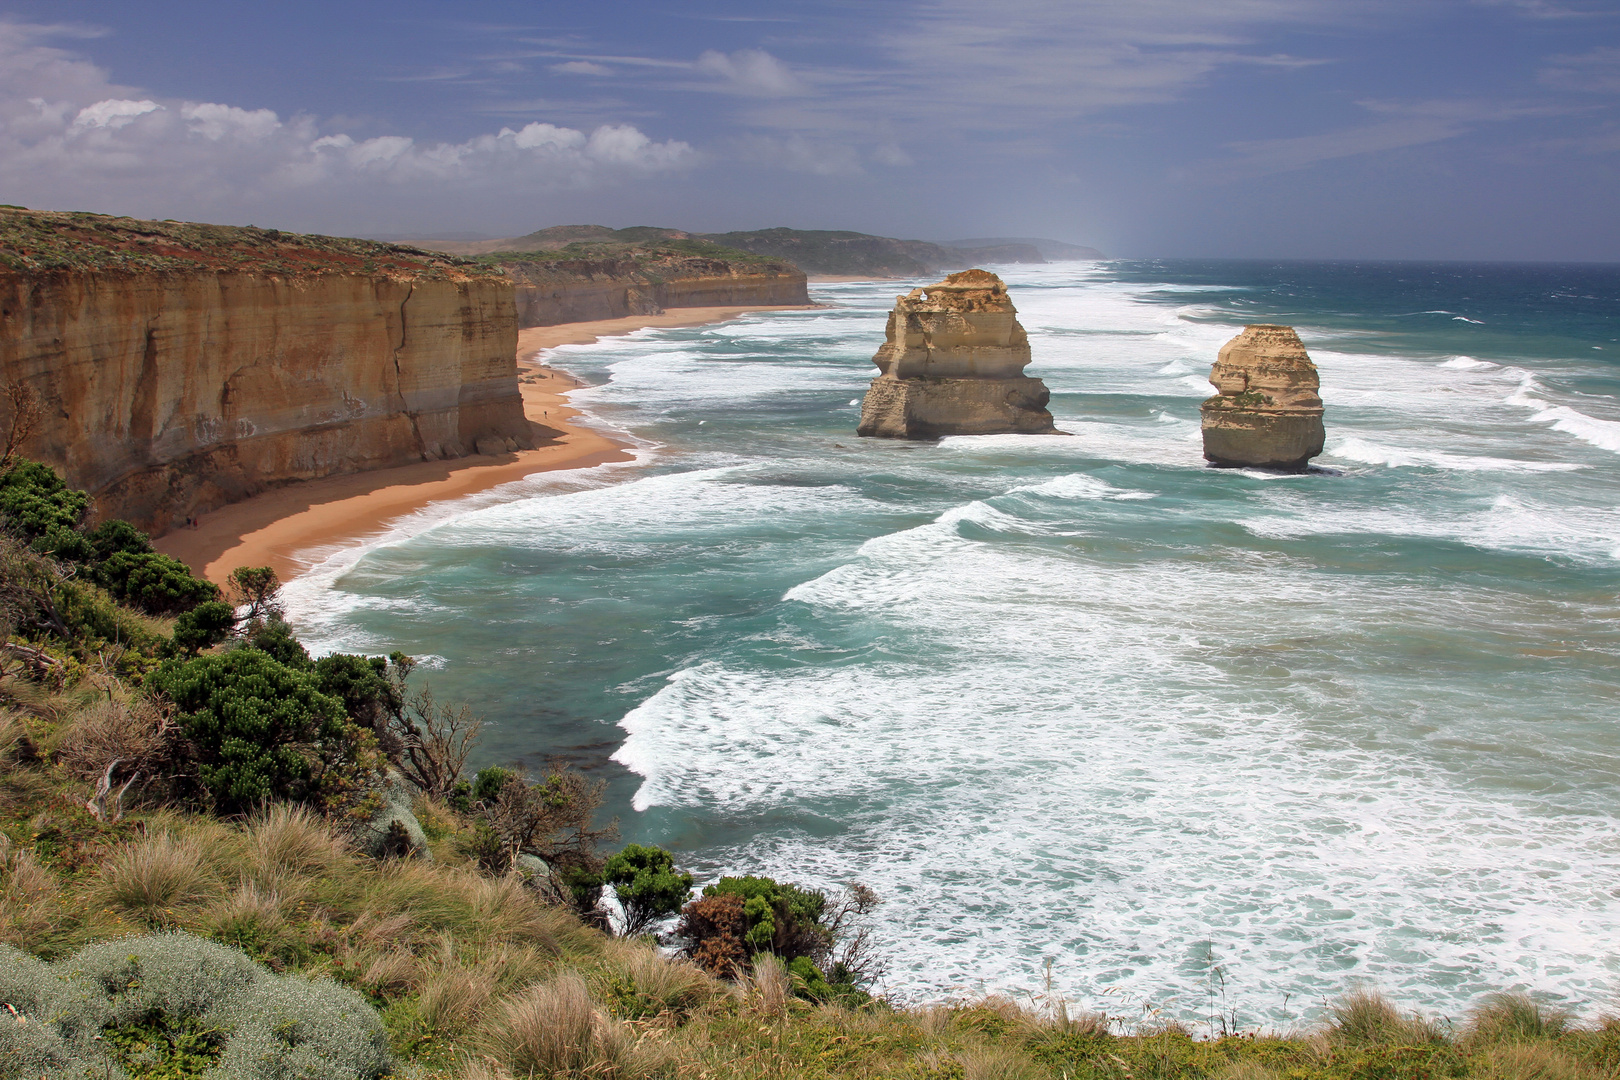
[(1088, 715)]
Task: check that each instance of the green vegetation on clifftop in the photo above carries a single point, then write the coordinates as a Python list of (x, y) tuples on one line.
[(39, 241)]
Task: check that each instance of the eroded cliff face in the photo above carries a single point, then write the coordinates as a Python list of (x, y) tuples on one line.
[(585, 290), (177, 386), (1268, 413), (953, 364)]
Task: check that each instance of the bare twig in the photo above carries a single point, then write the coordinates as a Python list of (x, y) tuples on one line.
[(26, 413)]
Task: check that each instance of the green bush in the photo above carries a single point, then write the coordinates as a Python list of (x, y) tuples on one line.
[(203, 627), (647, 885), (111, 537), (154, 583), (276, 638), (246, 715), (174, 1005), (782, 918), (38, 506), (93, 619), (362, 684)]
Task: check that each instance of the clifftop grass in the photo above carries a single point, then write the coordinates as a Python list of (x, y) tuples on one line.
[(42, 241), (645, 254)]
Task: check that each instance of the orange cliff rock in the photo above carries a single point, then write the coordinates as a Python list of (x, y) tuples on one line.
[(183, 367), (953, 364), (1268, 414)]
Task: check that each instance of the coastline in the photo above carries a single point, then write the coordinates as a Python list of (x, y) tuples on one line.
[(291, 528)]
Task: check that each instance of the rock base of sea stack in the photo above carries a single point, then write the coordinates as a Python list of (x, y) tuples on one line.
[(1268, 414), (953, 364), (934, 408)]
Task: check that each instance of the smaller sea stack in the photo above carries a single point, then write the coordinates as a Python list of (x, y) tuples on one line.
[(953, 364), (1268, 414)]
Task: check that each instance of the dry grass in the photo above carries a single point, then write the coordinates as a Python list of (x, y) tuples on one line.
[(1367, 1018), (288, 841), (999, 1063), (768, 990), (453, 998), (1508, 1018), (1527, 1061), (154, 879), (554, 1029), (658, 983), (28, 894)]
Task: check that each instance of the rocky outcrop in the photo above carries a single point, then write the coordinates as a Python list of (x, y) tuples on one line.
[(953, 364), (1268, 414), (557, 291), (186, 366)]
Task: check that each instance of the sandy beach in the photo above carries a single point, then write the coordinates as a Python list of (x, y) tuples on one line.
[(291, 528)]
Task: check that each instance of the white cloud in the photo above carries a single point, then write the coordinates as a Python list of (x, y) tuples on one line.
[(1412, 123), (1595, 72), (113, 113), (218, 121), (69, 137), (751, 72), (581, 67)]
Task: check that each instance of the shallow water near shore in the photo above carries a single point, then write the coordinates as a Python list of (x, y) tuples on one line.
[(1184, 732)]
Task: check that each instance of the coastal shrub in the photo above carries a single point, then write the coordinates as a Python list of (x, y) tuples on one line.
[(781, 918), (132, 733), (39, 507), (369, 696), (114, 537), (175, 1005), (258, 589), (154, 583), (647, 886), (248, 719), (551, 819), (203, 627), (714, 927), (276, 638), (430, 742), (94, 620)]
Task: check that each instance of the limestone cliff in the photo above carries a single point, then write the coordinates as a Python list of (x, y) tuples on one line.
[(187, 366), (953, 364), (1267, 414), (642, 282)]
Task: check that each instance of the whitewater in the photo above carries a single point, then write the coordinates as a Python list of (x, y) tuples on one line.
[(1197, 737)]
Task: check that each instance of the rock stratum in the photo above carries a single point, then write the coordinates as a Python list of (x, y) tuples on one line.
[(586, 287), (953, 364), (183, 366), (1268, 413)]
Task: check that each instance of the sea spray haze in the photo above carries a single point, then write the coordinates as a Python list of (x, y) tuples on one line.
[(1083, 698)]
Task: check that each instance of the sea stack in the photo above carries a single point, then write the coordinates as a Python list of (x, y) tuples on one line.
[(953, 364), (1267, 414)]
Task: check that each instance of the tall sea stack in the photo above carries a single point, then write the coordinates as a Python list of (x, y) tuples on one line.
[(1268, 414), (953, 364)]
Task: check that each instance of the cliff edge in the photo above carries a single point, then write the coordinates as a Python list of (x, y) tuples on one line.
[(953, 364), (185, 366)]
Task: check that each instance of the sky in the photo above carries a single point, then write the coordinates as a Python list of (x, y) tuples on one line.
[(1351, 129)]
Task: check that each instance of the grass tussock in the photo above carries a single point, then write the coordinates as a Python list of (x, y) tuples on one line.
[(555, 1029), (157, 879)]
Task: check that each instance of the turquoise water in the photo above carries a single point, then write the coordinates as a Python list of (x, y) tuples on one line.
[(1083, 699)]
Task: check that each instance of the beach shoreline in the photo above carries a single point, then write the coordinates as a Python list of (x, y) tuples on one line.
[(294, 527)]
